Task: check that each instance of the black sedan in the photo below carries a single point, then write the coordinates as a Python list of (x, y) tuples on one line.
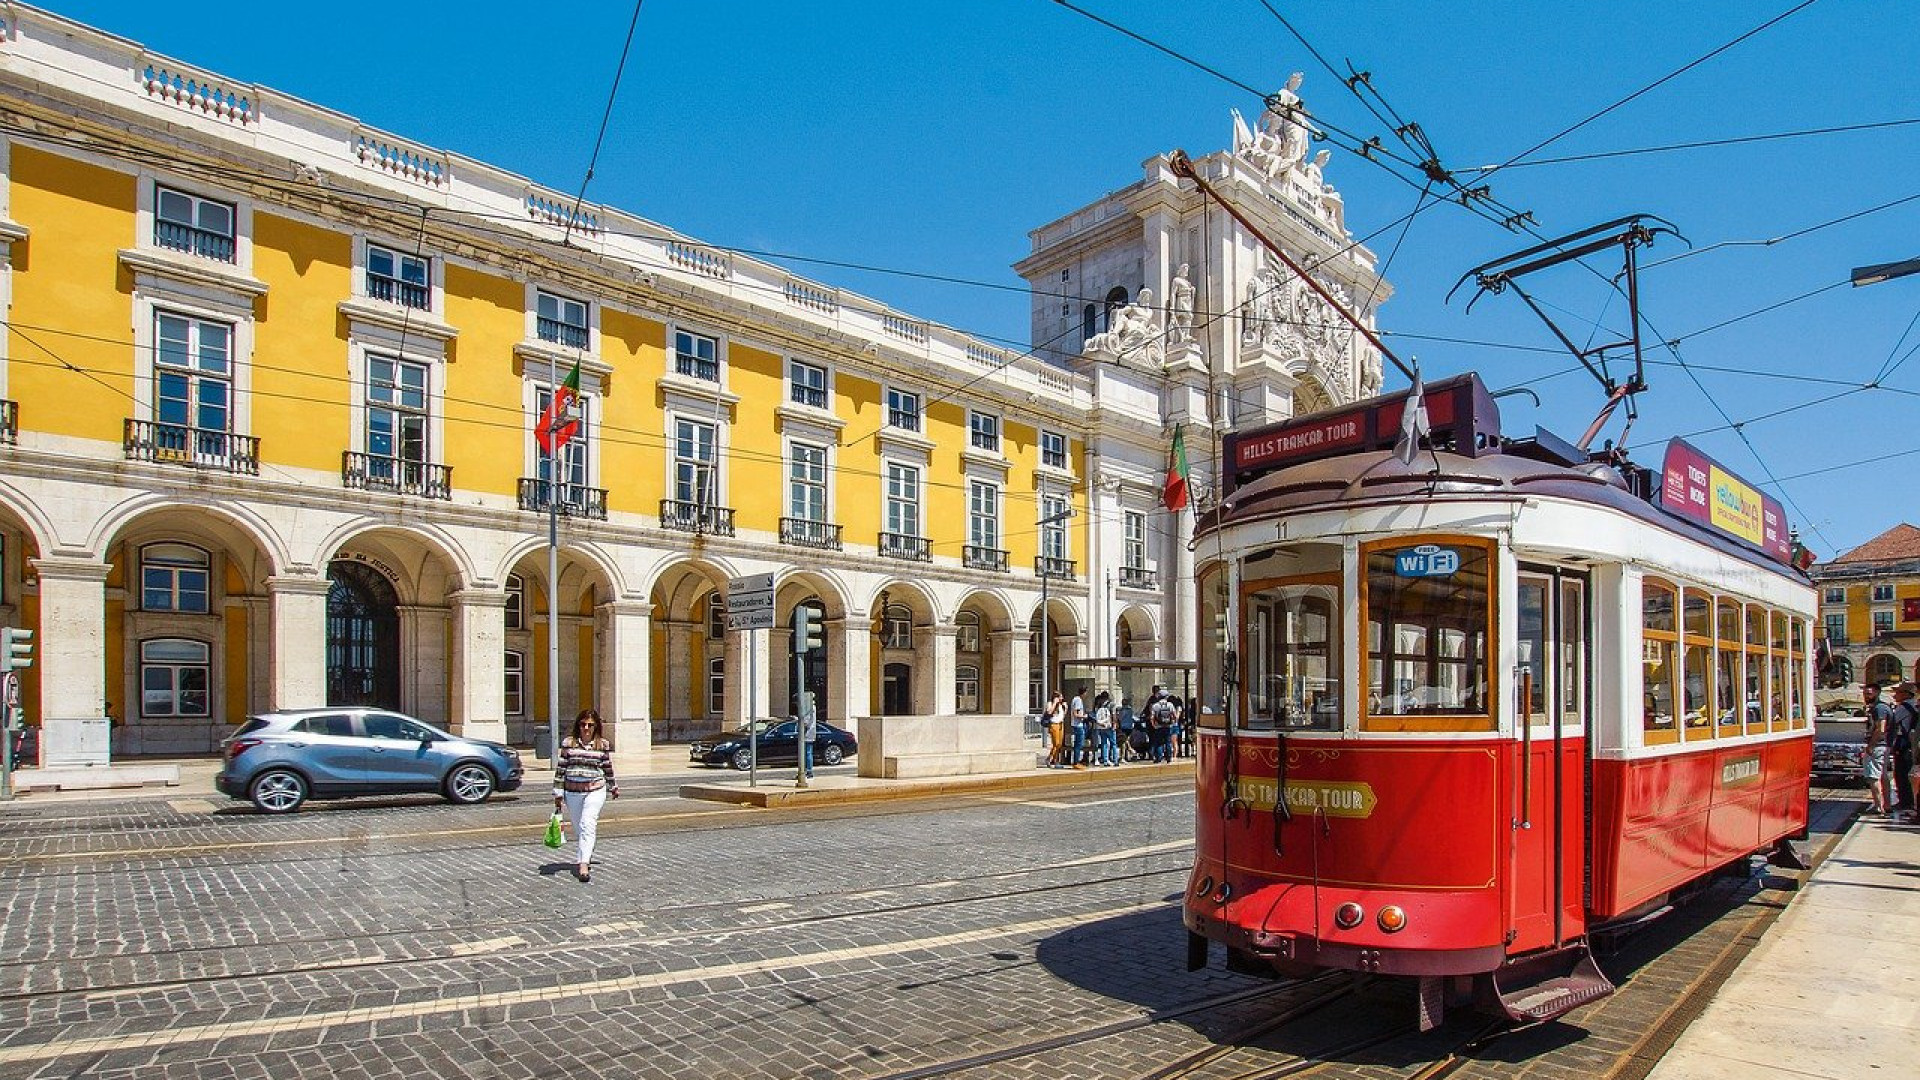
[(779, 745)]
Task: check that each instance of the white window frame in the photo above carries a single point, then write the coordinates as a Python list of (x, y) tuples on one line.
[(178, 561), (196, 324), (577, 457), (966, 632), (713, 464), (514, 665), (399, 278), (1054, 451), (716, 685), (805, 380), (176, 667), (1133, 541), (894, 472), (983, 431), (1882, 594), (1053, 536), (823, 511), (157, 188), (984, 526), (674, 354), (896, 627), (966, 689), (1835, 625), (716, 618), (1836, 594), (374, 359), (1882, 623), (904, 404), (561, 303), (516, 617)]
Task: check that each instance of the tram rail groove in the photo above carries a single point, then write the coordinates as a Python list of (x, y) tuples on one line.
[(601, 945)]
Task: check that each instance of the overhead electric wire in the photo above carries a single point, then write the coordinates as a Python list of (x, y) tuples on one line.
[(1701, 144), (605, 117), (1795, 235)]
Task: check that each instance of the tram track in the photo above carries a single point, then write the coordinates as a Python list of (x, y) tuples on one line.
[(625, 918)]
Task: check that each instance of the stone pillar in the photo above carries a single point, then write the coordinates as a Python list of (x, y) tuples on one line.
[(73, 674), (259, 654), (780, 679), (1008, 694), (424, 663), (299, 666), (748, 696), (849, 667), (625, 669), (945, 649), (682, 679), (479, 705)]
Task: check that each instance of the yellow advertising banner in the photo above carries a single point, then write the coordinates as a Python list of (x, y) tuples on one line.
[(1736, 507), (1335, 798)]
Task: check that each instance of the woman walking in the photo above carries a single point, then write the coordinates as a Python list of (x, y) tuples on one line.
[(583, 781)]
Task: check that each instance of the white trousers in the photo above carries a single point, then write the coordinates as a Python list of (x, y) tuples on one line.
[(583, 809)]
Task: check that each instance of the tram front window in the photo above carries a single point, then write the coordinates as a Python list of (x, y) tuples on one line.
[(1293, 656), (1428, 608)]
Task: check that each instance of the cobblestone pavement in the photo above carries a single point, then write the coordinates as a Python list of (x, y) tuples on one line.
[(406, 938)]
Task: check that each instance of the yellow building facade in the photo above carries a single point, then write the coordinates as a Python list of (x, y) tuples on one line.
[(1870, 609), (272, 381)]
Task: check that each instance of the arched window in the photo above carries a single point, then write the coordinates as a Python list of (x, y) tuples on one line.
[(1089, 321), (1116, 299), (174, 676), (174, 577), (967, 631), (966, 688), (716, 618), (896, 627)]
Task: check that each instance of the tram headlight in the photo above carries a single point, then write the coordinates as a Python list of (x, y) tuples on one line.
[(1392, 919), (1348, 915)]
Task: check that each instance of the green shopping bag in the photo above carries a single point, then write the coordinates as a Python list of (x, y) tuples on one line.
[(553, 837)]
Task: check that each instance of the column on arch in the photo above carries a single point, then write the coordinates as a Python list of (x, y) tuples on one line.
[(849, 658), (1011, 670), (626, 672), (479, 676), (299, 665), (73, 674)]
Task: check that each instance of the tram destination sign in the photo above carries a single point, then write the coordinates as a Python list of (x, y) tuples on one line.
[(1698, 488), (1461, 415)]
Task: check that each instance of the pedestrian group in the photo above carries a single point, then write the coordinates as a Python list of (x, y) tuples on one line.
[(1888, 765), (1108, 735)]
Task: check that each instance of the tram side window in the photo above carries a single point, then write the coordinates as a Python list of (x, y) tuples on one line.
[(1427, 608), (1777, 672), (1212, 641), (1292, 641), (1659, 645), (1756, 653), (1697, 660), (1797, 669), (1730, 655)]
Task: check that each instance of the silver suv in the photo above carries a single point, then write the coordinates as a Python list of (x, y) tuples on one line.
[(278, 759)]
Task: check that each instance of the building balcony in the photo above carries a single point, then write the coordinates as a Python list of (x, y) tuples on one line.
[(1139, 577), (372, 472), (695, 367), (560, 333), (805, 532), (976, 557), (9, 423), (394, 291), (1047, 566), (902, 546), (199, 448), (572, 500), (693, 517), (202, 242)]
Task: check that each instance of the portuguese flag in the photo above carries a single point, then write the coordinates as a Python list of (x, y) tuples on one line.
[(559, 422), (1176, 493)]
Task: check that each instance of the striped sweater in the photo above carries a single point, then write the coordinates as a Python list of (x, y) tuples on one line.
[(586, 767)]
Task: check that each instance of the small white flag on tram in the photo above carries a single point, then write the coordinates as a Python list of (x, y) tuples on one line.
[(1413, 422)]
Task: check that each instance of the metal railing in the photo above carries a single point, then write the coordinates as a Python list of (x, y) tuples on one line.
[(9, 423), (695, 517), (394, 291), (560, 333), (202, 242), (902, 546), (813, 397), (373, 472), (805, 532), (697, 367), (976, 557), (1138, 577), (574, 500), (1047, 566), (177, 444), (904, 419)]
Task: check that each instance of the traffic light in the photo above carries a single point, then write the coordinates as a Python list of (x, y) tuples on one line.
[(809, 630), (16, 649)]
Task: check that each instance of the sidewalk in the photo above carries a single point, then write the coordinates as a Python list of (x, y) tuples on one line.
[(1831, 990)]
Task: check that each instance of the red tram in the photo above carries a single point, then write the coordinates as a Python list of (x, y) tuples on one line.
[(1459, 713)]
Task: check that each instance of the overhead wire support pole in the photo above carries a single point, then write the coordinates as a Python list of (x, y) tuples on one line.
[(1182, 166)]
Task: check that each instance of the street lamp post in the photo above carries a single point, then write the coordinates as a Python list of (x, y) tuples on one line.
[(1046, 622)]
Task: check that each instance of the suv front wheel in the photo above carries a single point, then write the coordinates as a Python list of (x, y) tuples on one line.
[(469, 783), (278, 791)]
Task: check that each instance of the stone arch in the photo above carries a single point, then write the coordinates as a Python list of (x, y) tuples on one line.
[(1884, 668), (691, 671), (1136, 633), (516, 558), (407, 630), (1310, 396), (983, 642), (588, 579)]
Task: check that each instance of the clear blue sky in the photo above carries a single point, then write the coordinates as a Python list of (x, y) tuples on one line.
[(930, 137)]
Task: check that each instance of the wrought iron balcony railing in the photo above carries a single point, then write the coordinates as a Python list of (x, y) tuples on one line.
[(902, 546), (560, 333), (976, 557), (813, 397), (805, 532), (1047, 566), (177, 444), (1138, 577), (572, 500), (201, 242), (372, 472), (394, 291), (695, 517), (696, 367), (9, 423)]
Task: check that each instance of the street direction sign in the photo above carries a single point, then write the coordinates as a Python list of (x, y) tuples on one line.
[(749, 583), (761, 619)]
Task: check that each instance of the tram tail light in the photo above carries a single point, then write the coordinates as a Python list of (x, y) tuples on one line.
[(1348, 915), (1392, 919)]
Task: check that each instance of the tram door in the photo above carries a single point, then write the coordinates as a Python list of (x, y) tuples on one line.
[(1550, 687)]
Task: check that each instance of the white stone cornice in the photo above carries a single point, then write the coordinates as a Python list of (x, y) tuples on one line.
[(802, 419), (683, 393), (65, 568), (12, 232), (973, 459), (909, 445), (395, 317), (535, 359), (186, 268), (317, 585), (1044, 475), (479, 598)]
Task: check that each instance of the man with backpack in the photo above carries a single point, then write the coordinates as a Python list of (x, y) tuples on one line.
[(1161, 716)]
